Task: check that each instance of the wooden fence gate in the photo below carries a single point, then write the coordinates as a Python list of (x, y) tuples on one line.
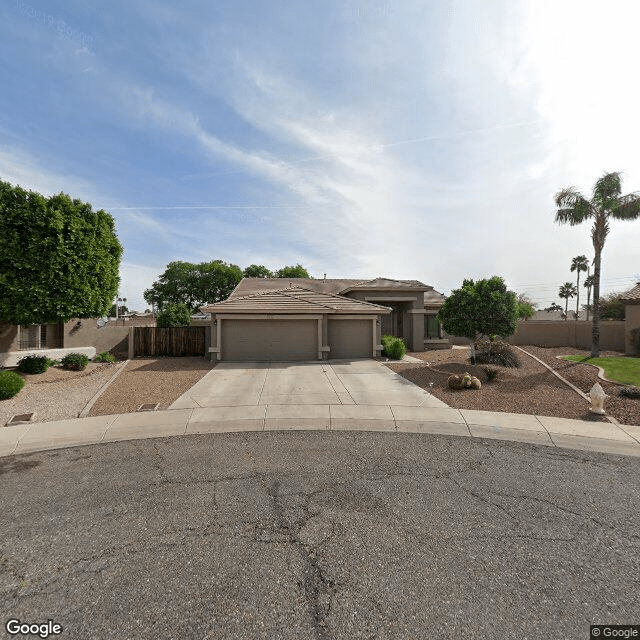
[(169, 341)]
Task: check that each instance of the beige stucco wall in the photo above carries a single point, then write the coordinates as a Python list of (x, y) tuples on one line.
[(560, 333), (632, 329), (114, 339), (9, 340), (412, 324)]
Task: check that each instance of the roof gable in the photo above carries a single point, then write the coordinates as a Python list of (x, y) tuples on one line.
[(632, 296), (293, 299)]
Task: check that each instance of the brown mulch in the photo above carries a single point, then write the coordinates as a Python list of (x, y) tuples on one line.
[(150, 381), (530, 389)]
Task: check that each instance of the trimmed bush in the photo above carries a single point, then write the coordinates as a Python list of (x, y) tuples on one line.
[(491, 373), (10, 384), (105, 356), (495, 352), (34, 364), (393, 347), (75, 361), (630, 392)]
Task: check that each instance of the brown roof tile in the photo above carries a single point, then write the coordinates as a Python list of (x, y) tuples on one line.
[(248, 286), (294, 299), (632, 296)]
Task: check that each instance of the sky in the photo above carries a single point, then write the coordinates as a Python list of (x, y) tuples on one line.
[(360, 138)]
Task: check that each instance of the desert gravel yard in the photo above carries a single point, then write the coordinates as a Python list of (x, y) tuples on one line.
[(158, 381), (56, 394), (529, 389)]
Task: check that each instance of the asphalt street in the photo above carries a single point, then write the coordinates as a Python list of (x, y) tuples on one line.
[(320, 535)]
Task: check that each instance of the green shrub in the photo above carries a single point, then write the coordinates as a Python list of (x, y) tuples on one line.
[(35, 364), (174, 315), (10, 384), (393, 347), (495, 352), (491, 373), (630, 392), (75, 361), (105, 356)]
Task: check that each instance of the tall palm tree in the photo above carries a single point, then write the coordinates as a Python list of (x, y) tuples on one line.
[(588, 283), (579, 263), (606, 203), (567, 290)]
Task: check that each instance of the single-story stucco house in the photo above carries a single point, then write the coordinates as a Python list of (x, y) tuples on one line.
[(631, 301), (307, 319)]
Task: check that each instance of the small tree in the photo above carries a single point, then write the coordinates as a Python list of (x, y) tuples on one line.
[(526, 306), (554, 306), (611, 308), (292, 272), (59, 259), (566, 291), (174, 315), (480, 308)]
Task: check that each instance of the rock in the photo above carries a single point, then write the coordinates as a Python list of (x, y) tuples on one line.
[(475, 383), (454, 382)]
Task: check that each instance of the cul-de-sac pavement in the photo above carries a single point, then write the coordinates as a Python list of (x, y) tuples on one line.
[(320, 534)]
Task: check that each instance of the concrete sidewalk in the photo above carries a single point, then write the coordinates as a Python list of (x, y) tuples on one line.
[(558, 432)]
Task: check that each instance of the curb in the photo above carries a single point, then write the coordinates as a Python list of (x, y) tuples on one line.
[(85, 412)]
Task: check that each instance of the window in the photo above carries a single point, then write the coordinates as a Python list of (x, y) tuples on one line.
[(431, 327), (41, 336)]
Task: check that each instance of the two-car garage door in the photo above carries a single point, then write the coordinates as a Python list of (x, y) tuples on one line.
[(295, 339), (259, 340)]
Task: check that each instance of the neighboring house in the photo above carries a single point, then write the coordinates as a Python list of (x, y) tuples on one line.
[(308, 319), (631, 301), (88, 336)]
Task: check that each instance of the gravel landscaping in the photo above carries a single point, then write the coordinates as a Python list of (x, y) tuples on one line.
[(158, 381), (530, 389), (56, 394)]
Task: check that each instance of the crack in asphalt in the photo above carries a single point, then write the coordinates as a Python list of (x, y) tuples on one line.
[(314, 583)]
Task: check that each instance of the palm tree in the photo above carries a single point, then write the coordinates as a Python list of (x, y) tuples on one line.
[(588, 283), (606, 203), (567, 290), (579, 263)]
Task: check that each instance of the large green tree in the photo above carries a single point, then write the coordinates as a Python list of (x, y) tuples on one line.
[(606, 203), (194, 284), (579, 263), (59, 259), (257, 271), (480, 308), (298, 271)]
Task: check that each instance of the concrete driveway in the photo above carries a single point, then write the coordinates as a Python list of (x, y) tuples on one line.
[(336, 382)]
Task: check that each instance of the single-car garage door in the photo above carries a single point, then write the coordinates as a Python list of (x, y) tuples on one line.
[(259, 340), (350, 338)]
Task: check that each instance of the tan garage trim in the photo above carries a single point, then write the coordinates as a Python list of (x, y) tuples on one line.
[(351, 337), (268, 339)]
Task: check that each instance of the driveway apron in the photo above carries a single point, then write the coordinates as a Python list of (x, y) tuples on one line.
[(337, 382)]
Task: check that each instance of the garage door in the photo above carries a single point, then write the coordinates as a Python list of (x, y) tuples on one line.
[(350, 338), (259, 340)]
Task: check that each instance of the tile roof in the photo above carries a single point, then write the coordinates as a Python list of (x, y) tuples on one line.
[(248, 286), (632, 296), (294, 299)]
